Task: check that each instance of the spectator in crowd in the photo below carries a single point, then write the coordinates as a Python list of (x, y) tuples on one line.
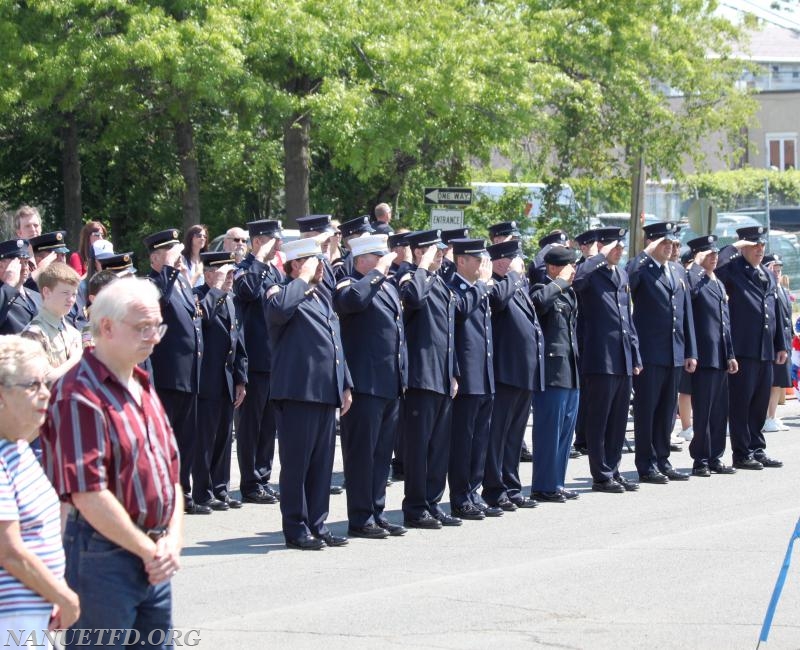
[(90, 233), (110, 452), (195, 242), (237, 242), (34, 593)]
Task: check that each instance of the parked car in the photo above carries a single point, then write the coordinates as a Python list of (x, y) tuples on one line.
[(782, 217)]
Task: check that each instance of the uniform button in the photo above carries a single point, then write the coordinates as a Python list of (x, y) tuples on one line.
[(337, 362), (199, 354)]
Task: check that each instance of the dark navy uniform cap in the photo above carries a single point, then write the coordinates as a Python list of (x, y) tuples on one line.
[(666, 229), (14, 248), (121, 264), (509, 249), (423, 238), (398, 239), (553, 238), (686, 254), (559, 256), (356, 226), (265, 228), (315, 223), (772, 259), (503, 229), (50, 241), (216, 258), (463, 246), (755, 234), (454, 233), (162, 239), (704, 243), (587, 237), (607, 235)]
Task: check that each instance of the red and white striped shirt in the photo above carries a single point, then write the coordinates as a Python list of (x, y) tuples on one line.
[(97, 437)]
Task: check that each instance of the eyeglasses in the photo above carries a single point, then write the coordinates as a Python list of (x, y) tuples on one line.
[(201, 234), (148, 331), (237, 240), (97, 233), (33, 386)]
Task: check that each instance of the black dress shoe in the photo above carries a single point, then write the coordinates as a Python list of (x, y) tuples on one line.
[(394, 530), (747, 463), (574, 453), (630, 486), (610, 486), (337, 489), (701, 471), (306, 543), (469, 511), (217, 504), (333, 540), (654, 477), (721, 468), (549, 497), (198, 509), (524, 502), (370, 531), (525, 456), (447, 520), (425, 521), (675, 475), (259, 496), (582, 450), (569, 495), (271, 491), (489, 511), (766, 461), (232, 503), (506, 505)]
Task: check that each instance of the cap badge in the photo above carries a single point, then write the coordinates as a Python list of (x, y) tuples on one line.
[(20, 243), (174, 234), (513, 224), (126, 258), (59, 236)]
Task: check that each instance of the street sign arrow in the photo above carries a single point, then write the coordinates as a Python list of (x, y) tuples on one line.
[(448, 195)]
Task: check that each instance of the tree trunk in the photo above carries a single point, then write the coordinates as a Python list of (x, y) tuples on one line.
[(184, 139), (296, 165), (71, 177)]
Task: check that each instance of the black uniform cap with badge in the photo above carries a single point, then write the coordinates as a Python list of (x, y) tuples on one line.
[(161, 240), (454, 233), (773, 260), (14, 248), (315, 223), (504, 229), (611, 234), (121, 264), (425, 238), (559, 256), (587, 237), (265, 228), (704, 243), (753, 234), (666, 229), (357, 226), (217, 258), (54, 242), (471, 247), (398, 239), (558, 238), (504, 250)]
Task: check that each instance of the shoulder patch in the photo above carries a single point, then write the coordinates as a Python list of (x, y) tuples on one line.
[(273, 290), (405, 278), (344, 283)]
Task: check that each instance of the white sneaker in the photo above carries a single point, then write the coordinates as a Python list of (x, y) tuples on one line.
[(675, 439), (687, 434), (781, 425), (770, 426)]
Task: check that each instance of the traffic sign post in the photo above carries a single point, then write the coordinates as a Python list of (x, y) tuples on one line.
[(448, 195)]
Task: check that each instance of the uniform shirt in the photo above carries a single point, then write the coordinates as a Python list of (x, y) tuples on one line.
[(60, 340), (712, 319), (96, 437), (252, 281), (473, 336), (27, 497)]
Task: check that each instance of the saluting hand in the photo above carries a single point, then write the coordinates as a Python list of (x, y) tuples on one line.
[(267, 250), (485, 270), (517, 265), (426, 261), (653, 245), (385, 262), (12, 273), (606, 250), (567, 273)]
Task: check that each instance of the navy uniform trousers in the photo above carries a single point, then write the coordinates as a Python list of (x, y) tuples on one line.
[(606, 399), (555, 410), (709, 416), (469, 444), (749, 391), (181, 409), (368, 433), (255, 434), (506, 432), (654, 403), (213, 451), (427, 420), (307, 439)]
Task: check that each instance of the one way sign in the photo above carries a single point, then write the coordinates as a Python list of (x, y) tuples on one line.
[(448, 195)]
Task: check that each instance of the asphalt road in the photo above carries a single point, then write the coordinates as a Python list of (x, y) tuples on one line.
[(684, 565)]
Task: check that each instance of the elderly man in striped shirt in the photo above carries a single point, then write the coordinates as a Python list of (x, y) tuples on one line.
[(109, 451)]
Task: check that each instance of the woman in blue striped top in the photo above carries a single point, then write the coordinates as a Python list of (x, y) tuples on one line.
[(33, 594)]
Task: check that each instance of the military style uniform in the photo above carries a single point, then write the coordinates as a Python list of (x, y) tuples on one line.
[(757, 338), (709, 383), (373, 335), (17, 306)]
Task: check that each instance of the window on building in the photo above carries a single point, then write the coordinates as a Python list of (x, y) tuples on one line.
[(781, 150)]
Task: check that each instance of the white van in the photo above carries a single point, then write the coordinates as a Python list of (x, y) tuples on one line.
[(533, 204)]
